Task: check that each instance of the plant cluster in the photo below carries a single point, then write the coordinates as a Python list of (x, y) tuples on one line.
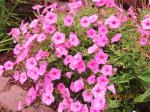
[(75, 59)]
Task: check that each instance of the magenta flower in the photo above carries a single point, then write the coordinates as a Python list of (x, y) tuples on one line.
[(85, 22), (69, 74), (1, 70), (54, 74), (102, 80), (102, 29), (68, 20), (41, 55), (15, 32), (51, 18), (101, 57), (101, 40), (116, 38), (49, 28), (100, 3), (91, 79), (93, 18), (91, 33), (112, 88), (42, 68), (107, 70), (9, 65), (92, 49), (113, 22), (37, 7), (73, 39), (33, 74), (58, 38), (98, 91), (93, 65), (144, 41)]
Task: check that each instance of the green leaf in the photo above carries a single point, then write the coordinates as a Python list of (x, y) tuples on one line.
[(143, 97), (145, 77)]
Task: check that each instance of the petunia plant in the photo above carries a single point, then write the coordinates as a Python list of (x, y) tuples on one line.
[(71, 58)]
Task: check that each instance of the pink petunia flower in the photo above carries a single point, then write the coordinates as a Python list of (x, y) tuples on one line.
[(73, 39), (102, 29), (33, 74), (107, 70), (68, 20), (8, 65), (41, 37), (37, 7), (49, 28), (84, 108), (98, 91), (60, 51), (76, 106), (110, 3), (116, 38), (51, 18), (41, 55), (93, 18), (23, 77), (113, 22), (101, 57), (77, 85), (112, 88), (42, 68), (92, 49), (101, 40), (100, 3), (58, 38), (91, 33), (47, 98), (87, 96), (102, 80), (31, 63), (69, 74), (85, 22), (55, 74), (144, 41), (146, 24), (15, 32), (93, 65), (91, 79)]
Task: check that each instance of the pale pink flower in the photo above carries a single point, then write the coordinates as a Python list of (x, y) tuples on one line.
[(37, 7), (100, 3), (85, 22), (93, 65), (58, 38), (116, 38), (69, 74), (1, 70), (112, 88), (51, 18), (84, 108), (41, 37), (107, 70), (41, 55), (81, 66), (93, 18), (113, 22), (17, 49), (16, 75), (91, 33), (23, 77), (101, 40), (101, 57), (144, 41), (68, 20), (102, 80), (47, 98), (76, 106), (146, 24), (98, 104), (68, 59), (31, 96), (77, 85), (73, 39), (49, 28), (87, 96), (31, 63), (91, 79), (33, 74), (110, 3), (15, 32), (60, 51), (42, 68), (8, 65), (98, 91), (92, 49), (34, 23), (55, 74)]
